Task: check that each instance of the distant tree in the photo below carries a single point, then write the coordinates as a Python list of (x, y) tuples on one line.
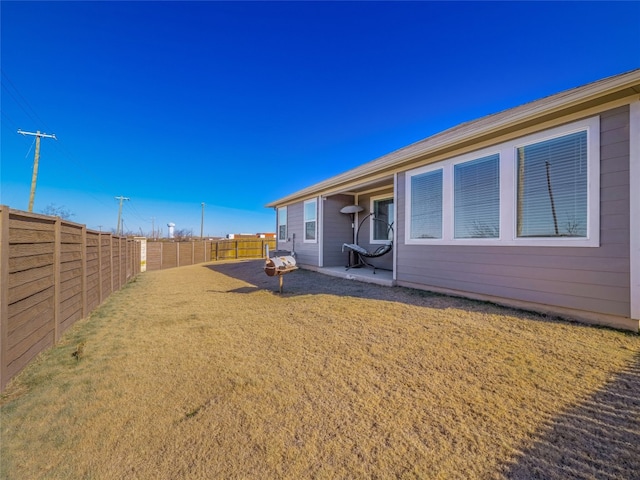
[(183, 234), (54, 210)]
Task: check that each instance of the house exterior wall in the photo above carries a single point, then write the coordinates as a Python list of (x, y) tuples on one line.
[(306, 253), (590, 279), (336, 228)]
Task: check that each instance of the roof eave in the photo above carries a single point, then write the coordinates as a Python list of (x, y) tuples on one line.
[(555, 106)]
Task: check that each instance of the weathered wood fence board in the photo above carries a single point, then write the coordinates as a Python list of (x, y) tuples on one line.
[(167, 254), (52, 274), (242, 248)]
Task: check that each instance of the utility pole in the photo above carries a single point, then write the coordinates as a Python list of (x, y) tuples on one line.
[(36, 159), (122, 199), (202, 222), (153, 228)]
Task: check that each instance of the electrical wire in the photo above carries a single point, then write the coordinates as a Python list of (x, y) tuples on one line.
[(22, 102), (59, 145)]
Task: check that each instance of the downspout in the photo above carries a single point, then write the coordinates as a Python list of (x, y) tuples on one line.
[(634, 210)]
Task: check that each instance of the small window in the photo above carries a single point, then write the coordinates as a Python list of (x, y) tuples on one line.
[(282, 224), (552, 187), (310, 220), (426, 205), (382, 220), (477, 198)]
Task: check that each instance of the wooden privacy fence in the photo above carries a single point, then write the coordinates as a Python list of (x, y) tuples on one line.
[(163, 254), (52, 274), (167, 254), (241, 248)]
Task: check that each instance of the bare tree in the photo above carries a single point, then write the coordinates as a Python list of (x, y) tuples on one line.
[(54, 210), (574, 227), (484, 230), (182, 235)]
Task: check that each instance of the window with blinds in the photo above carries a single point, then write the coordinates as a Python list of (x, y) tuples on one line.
[(310, 223), (552, 187), (282, 224), (477, 198), (542, 189), (426, 205)]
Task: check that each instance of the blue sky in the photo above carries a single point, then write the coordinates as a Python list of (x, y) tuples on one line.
[(173, 104)]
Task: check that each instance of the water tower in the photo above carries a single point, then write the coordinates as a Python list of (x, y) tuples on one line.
[(171, 228)]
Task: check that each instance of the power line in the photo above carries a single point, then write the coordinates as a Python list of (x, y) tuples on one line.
[(20, 100), (31, 111)]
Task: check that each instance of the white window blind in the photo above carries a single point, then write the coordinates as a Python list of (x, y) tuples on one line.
[(282, 224), (310, 220), (552, 187), (477, 198), (426, 205)]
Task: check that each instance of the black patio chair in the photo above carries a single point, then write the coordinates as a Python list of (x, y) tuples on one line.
[(362, 253)]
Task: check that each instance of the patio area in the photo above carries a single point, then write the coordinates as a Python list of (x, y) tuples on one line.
[(361, 274)]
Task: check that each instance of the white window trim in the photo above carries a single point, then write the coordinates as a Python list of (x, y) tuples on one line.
[(305, 220), (508, 192), (388, 196), (282, 213)]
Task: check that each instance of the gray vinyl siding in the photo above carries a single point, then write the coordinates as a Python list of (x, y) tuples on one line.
[(306, 253), (336, 230), (582, 278)]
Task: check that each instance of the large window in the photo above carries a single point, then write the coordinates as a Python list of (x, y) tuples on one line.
[(477, 198), (552, 187), (282, 224), (310, 220), (538, 190), (426, 205), (382, 219)]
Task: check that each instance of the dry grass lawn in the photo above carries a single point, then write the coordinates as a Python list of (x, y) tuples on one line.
[(204, 372)]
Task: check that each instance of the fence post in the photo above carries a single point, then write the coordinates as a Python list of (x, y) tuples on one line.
[(217, 243), (56, 279), (111, 269), (84, 271), (121, 265), (237, 249), (4, 294), (100, 268)]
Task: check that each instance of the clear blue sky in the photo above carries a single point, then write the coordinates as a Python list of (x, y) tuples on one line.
[(172, 104)]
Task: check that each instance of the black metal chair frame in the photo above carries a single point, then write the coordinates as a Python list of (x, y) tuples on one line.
[(362, 253)]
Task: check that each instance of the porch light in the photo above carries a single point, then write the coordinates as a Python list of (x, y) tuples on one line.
[(352, 209)]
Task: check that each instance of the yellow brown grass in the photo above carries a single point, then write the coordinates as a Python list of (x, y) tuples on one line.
[(205, 372)]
